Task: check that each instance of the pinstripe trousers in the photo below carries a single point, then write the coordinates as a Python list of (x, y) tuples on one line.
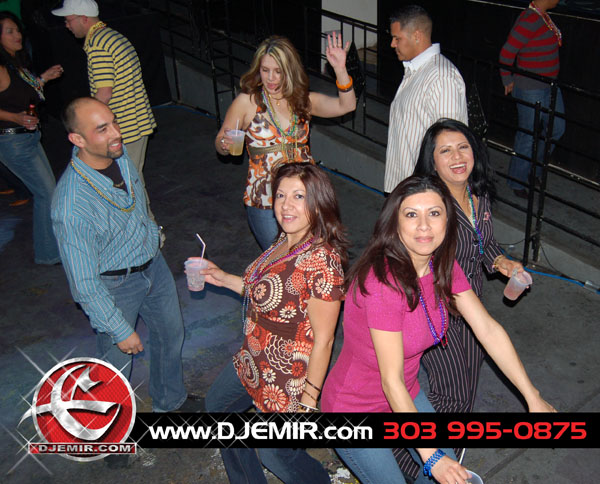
[(453, 371)]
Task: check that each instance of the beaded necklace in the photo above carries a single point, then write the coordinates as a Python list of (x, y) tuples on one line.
[(259, 271), (32, 80), (291, 131), (548, 21), (99, 192), (94, 28), (437, 338), (474, 221)]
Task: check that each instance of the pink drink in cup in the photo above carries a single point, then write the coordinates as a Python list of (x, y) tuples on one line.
[(517, 283), (237, 135), (474, 478), (193, 266)]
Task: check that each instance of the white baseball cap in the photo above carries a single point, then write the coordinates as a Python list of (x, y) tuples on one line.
[(89, 8)]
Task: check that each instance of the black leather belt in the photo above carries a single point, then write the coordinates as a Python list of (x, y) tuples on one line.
[(122, 272), (18, 130)]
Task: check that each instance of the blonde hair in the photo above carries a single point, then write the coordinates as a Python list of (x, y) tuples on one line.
[(294, 79)]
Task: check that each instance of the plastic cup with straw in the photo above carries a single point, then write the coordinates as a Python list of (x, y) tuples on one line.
[(193, 266), (237, 137)]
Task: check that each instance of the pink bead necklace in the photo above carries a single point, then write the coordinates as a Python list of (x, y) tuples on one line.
[(548, 21)]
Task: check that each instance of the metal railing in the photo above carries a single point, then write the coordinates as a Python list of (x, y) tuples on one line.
[(202, 30)]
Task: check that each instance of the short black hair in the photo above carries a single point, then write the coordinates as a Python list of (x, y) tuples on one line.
[(414, 17), (69, 114)]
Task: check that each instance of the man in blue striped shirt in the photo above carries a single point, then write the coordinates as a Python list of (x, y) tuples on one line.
[(109, 249)]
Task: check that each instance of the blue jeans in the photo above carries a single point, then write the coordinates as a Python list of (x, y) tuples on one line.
[(519, 167), (11, 181), (263, 224), (374, 466), (292, 466), (152, 295), (24, 156)]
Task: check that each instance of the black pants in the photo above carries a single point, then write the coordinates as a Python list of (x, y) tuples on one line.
[(453, 374)]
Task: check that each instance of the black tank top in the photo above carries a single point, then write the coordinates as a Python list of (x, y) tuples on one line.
[(16, 97)]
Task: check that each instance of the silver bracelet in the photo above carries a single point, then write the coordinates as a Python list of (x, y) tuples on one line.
[(308, 407)]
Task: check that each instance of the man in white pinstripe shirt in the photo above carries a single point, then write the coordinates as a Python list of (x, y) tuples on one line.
[(432, 88)]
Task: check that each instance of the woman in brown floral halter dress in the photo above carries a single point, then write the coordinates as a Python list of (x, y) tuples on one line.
[(274, 109), (292, 296)]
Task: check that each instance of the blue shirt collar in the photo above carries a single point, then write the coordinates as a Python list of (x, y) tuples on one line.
[(103, 182)]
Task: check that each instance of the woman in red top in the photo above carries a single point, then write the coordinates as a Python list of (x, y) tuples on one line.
[(292, 295)]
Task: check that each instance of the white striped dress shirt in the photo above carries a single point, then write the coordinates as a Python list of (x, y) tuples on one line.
[(95, 236), (432, 88)]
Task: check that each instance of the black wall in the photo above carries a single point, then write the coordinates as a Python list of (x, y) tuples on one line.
[(479, 30)]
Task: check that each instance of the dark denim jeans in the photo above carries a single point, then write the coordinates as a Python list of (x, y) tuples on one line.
[(152, 295), (519, 168), (292, 466), (263, 225), (375, 466), (24, 156)]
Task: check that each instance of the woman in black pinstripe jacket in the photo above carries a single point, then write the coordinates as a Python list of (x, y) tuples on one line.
[(460, 159)]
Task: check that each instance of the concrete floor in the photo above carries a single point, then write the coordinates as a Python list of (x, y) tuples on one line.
[(191, 190)]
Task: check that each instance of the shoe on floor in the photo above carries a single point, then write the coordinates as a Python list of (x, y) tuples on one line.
[(18, 203), (117, 461), (192, 404), (521, 193), (8, 191)]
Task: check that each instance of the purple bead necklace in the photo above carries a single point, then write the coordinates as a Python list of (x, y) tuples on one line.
[(437, 338)]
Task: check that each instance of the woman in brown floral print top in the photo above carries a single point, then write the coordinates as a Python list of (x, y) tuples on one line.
[(292, 296)]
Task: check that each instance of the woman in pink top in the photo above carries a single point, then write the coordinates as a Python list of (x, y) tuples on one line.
[(401, 290)]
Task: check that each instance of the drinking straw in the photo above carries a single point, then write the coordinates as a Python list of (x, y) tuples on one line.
[(203, 245)]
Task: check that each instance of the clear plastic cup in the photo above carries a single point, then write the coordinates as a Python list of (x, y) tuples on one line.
[(474, 479), (237, 135), (517, 284), (195, 280)]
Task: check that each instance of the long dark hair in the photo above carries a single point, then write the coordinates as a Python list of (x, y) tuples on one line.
[(387, 256), (21, 58), (481, 178), (321, 203), (294, 78)]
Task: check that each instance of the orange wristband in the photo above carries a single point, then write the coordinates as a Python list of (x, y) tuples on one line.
[(345, 87)]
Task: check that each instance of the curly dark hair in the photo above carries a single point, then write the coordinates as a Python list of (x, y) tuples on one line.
[(481, 178)]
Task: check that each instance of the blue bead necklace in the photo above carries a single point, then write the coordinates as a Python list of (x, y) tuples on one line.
[(474, 221), (437, 338)]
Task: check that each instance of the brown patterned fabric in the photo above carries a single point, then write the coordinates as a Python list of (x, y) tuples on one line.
[(262, 133), (278, 340)]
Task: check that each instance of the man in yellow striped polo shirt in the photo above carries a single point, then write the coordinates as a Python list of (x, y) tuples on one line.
[(115, 76)]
